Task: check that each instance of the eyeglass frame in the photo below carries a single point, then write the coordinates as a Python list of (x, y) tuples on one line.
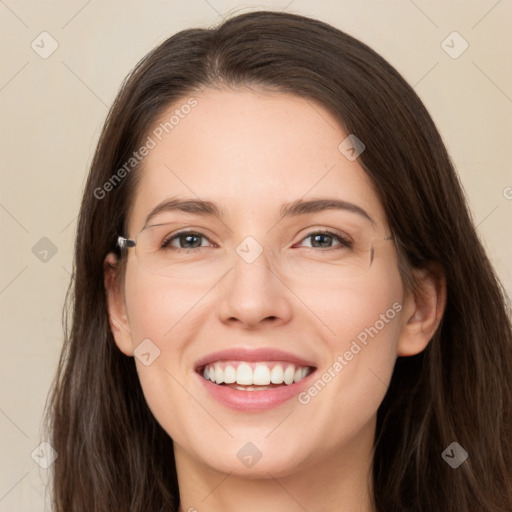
[(124, 243)]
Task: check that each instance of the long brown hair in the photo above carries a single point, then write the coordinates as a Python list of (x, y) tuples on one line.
[(113, 455)]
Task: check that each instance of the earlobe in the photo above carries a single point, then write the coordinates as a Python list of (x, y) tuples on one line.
[(423, 311), (118, 318)]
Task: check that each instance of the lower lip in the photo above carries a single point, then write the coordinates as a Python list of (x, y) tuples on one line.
[(254, 401)]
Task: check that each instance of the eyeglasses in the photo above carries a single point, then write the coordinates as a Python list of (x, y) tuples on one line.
[(164, 251)]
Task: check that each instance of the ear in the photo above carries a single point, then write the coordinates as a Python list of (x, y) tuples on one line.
[(118, 318), (424, 308)]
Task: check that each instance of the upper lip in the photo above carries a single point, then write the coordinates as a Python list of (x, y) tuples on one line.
[(252, 355)]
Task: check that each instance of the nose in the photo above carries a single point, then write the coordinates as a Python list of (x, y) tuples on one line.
[(253, 293)]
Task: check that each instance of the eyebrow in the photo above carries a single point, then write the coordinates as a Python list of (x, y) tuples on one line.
[(293, 209)]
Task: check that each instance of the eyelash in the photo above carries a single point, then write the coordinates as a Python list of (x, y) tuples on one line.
[(344, 242)]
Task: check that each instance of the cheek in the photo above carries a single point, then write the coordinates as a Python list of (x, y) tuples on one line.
[(362, 323), (368, 327), (159, 308), (359, 310), (161, 314)]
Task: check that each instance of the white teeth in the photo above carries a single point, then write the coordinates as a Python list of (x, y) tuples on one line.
[(244, 374), (255, 374), (289, 374), (252, 388), (277, 374), (300, 373), (261, 375), (219, 375), (229, 374)]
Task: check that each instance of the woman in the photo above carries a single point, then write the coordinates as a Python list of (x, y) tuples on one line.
[(279, 299)]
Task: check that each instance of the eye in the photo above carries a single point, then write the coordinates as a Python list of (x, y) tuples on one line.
[(186, 240), (324, 238)]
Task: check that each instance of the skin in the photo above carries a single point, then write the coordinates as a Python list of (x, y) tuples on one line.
[(249, 151)]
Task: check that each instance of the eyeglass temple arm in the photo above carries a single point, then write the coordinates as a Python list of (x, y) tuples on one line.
[(123, 242)]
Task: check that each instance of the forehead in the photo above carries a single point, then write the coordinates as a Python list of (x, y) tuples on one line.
[(249, 152)]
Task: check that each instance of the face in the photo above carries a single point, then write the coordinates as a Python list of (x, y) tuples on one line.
[(299, 328)]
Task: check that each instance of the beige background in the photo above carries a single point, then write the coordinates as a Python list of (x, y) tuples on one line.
[(52, 111)]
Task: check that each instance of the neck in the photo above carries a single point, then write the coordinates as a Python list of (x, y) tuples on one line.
[(341, 481)]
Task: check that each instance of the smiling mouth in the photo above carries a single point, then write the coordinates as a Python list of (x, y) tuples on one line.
[(254, 376)]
